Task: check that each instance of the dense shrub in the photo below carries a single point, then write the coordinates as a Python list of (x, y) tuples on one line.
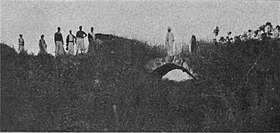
[(111, 91)]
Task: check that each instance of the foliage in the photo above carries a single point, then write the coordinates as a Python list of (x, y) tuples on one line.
[(78, 93)]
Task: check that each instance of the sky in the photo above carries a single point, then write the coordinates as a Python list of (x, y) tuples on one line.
[(145, 20)]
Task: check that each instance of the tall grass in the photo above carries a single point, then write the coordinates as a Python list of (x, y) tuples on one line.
[(111, 91)]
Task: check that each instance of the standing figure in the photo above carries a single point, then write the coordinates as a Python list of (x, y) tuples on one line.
[(80, 40), (216, 33), (59, 49), (193, 44), (169, 42), (92, 48), (21, 44), (70, 42), (42, 46)]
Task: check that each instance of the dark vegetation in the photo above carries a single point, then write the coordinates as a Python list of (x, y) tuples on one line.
[(238, 90)]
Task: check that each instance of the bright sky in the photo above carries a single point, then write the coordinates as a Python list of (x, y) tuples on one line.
[(145, 20)]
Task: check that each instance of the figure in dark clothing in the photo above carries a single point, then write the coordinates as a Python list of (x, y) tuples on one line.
[(193, 44), (80, 40), (92, 48), (59, 49), (42, 45), (21, 43)]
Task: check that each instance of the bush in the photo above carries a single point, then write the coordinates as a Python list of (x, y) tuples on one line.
[(111, 91)]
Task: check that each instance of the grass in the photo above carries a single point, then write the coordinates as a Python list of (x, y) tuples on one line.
[(43, 93)]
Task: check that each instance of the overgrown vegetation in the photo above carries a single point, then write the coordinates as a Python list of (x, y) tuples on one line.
[(238, 90)]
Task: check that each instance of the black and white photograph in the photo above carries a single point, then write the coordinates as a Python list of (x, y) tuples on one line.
[(140, 65)]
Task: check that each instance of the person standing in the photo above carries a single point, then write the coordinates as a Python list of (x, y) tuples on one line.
[(193, 44), (42, 46), (92, 48), (80, 40), (70, 42), (216, 33), (169, 42), (58, 39), (21, 44)]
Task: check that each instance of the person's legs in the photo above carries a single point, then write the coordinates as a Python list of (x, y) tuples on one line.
[(21, 49), (78, 46), (56, 48), (60, 48), (71, 48), (82, 46)]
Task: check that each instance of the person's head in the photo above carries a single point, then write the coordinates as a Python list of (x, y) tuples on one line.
[(80, 27), (169, 29), (91, 29), (193, 36), (70, 31), (42, 36), (20, 35), (58, 29), (249, 30)]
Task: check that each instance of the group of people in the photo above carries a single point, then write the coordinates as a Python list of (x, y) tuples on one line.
[(71, 40), (265, 31), (170, 46)]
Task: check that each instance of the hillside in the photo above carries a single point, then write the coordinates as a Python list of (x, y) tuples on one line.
[(111, 91)]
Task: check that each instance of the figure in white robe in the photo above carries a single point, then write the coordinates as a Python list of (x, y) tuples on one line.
[(70, 42), (169, 42)]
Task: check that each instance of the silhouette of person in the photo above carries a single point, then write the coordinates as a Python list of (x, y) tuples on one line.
[(70, 42), (21, 43), (58, 39), (92, 48), (216, 33), (42, 46), (80, 40), (169, 42), (193, 44)]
